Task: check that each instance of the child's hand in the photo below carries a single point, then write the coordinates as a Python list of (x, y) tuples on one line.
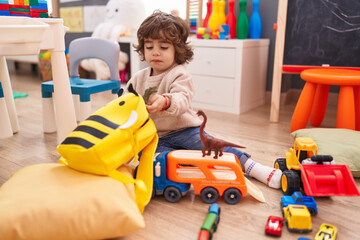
[(157, 103)]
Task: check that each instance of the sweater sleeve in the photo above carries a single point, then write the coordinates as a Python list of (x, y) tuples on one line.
[(180, 93), (138, 81)]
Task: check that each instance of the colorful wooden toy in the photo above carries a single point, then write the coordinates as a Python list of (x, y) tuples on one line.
[(24, 8), (242, 25), (231, 19), (255, 24)]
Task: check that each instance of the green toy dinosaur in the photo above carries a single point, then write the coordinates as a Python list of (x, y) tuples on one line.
[(148, 93)]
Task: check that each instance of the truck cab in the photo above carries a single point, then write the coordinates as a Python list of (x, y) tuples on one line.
[(172, 191), (297, 218), (304, 147), (298, 199)]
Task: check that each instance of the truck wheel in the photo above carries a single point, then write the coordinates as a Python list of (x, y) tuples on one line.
[(209, 195), (290, 182), (232, 195), (312, 211), (282, 207), (153, 193), (280, 163), (172, 194)]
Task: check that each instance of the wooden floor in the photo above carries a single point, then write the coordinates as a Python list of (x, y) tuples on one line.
[(246, 220)]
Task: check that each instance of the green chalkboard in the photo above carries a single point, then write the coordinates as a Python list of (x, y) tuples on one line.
[(323, 32)]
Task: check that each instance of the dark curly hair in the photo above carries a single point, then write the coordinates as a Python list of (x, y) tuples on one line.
[(161, 25)]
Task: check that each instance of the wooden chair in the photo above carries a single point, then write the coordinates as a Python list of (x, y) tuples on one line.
[(314, 96), (79, 49)]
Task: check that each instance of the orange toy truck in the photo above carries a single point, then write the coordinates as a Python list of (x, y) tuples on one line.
[(210, 177)]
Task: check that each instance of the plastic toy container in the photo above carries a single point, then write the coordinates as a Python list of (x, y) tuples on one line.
[(21, 35), (328, 180), (46, 69)]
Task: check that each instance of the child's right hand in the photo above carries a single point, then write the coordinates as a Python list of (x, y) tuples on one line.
[(157, 103)]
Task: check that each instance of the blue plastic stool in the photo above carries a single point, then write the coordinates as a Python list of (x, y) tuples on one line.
[(80, 49), (5, 125)]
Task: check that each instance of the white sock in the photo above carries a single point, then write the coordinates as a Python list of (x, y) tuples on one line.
[(268, 175)]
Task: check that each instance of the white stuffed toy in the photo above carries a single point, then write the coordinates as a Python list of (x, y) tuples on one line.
[(123, 17)]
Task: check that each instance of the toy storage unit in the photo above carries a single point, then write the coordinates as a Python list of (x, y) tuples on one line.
[(229, 75)]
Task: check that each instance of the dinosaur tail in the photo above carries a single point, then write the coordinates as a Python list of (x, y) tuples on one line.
[(228, 144)]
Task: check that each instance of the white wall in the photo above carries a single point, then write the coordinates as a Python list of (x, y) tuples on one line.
[(49, 4), (168, 6)]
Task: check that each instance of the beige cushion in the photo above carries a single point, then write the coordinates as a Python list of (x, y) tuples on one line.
[(342, 144), (52, 201)]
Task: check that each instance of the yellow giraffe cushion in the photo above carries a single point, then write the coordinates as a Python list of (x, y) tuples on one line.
[(112, 136)]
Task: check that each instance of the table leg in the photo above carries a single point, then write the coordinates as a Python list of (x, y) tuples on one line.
[(303, 107), (345, 117), (357, 107), (8, 94), (318, 109), (5, 125), (63, 102), (64, 105)]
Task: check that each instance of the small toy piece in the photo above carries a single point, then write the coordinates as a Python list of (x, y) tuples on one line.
[(211, 143), (209, 226), (298, 199), (274, 226), (148, 93), (326, 231), (204, 33), (297, 218), (318, 180), (224, 32)]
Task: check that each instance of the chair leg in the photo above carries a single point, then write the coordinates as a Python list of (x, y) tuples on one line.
[(85, 110), (76, 99), (319, 105), (357, 107), (5, 125), (303, 107), (114, 96), (9, 98), (345, 117), (49, 121)]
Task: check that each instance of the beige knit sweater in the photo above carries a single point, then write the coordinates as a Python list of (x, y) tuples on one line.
[(176, 83)]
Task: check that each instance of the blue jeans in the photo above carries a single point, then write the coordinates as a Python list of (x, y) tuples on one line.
[(189, 138)]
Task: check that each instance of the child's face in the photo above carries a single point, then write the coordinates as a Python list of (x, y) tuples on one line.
[(159, 54)]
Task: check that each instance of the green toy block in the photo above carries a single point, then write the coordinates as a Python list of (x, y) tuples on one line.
[(34, 2), (44, 15), (20, 9)]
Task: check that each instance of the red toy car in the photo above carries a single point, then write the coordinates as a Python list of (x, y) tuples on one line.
[(274, 226)]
